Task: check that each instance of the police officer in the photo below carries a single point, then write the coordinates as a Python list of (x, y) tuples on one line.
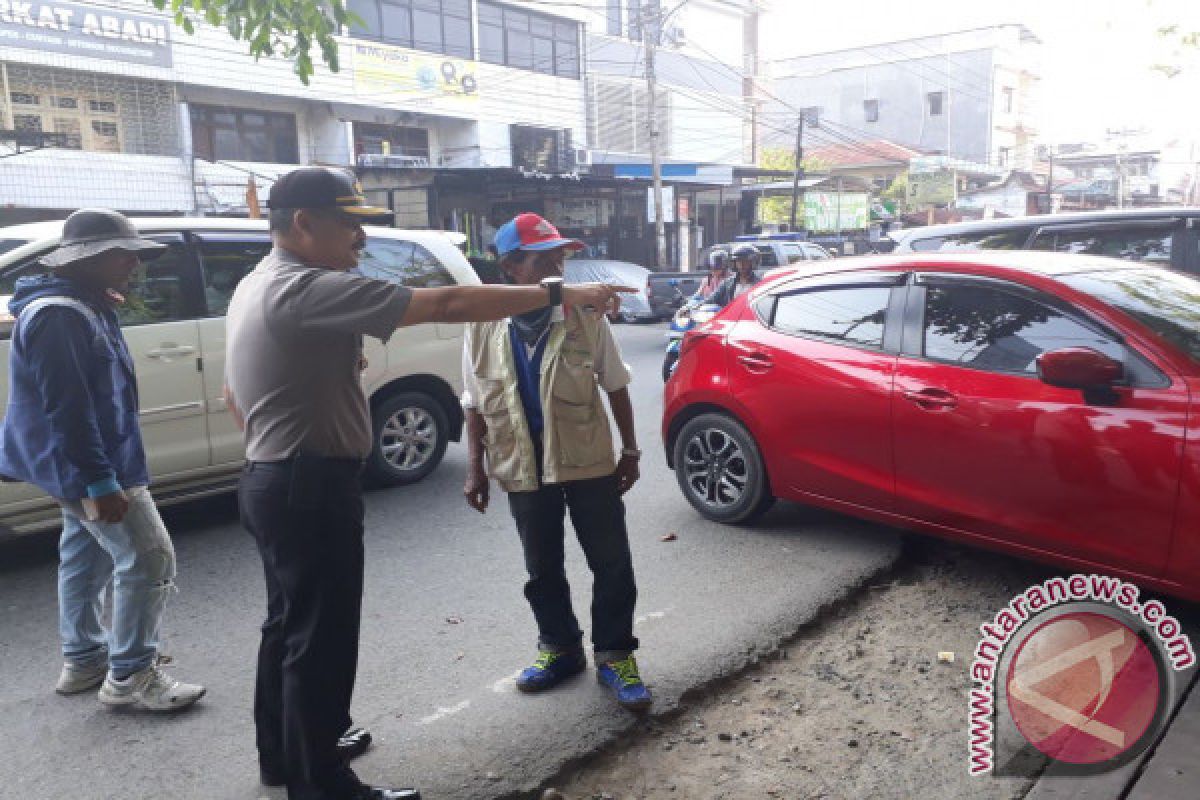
[(294, 348)]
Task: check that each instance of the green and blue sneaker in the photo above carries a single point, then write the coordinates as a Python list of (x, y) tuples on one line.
[(550, 669), (622, 677)]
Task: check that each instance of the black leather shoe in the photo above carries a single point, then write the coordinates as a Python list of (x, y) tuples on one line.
[(380, 793), (352, 744)]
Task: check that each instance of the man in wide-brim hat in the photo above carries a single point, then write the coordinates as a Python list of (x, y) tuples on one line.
[(71, 429)]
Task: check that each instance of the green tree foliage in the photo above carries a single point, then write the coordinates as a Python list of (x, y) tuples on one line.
[(779, 209), (287, 28)]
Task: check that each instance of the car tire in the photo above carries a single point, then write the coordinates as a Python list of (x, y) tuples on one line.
[(410, 432), (720, 470)]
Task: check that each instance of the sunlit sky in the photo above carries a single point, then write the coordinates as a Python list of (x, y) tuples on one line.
[(1096, 57)]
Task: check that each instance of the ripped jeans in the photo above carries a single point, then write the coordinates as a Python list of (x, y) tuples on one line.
[(137, 555)]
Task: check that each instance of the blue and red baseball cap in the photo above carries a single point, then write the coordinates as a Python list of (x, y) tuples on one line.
[(529, 231)]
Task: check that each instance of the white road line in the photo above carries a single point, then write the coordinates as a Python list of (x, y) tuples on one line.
[(650, 616), (506, 684), (445, 712)]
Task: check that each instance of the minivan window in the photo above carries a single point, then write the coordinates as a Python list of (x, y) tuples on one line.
[(1135, 244), (845, 314), (986, 328), (971, 242), (1167, 303), (159, 290), (226, 262), (403, 262)]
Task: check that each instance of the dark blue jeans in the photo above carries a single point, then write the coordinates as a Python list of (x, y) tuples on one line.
[(598, 515)]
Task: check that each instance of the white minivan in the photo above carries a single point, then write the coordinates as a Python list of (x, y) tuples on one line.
[(174, 321)]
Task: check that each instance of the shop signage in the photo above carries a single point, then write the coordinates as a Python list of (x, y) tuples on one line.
[(84, 30), (827, 211), (393, 76), (668, 204)]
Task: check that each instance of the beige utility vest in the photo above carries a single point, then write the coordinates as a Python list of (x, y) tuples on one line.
[(576, 437)]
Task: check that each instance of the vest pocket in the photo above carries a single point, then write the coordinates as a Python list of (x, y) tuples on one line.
[(574, 381), (581, 434)]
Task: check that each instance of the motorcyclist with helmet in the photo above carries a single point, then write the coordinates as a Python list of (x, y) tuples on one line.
[(745, 260), (718, 272)]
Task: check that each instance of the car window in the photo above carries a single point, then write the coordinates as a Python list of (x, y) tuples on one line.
[(226, 262), (403, 262), (31, 266), (767, 256), (971, 242), (987, 328), (1166, 302), (11, 244), (1133, 244), (794, 253), (847, 315), (815, 253), (159, 290)]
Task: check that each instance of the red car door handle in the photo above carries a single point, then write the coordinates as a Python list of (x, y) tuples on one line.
[(932, 398), (754, 360)]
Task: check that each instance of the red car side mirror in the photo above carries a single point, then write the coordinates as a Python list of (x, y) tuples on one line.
[(1078, 368)]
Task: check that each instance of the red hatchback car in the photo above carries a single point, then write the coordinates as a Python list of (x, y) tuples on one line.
[(1037, 403)]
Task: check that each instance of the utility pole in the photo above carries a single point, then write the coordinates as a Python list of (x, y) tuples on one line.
[(797, 172), (1050, 185), (651, 30)]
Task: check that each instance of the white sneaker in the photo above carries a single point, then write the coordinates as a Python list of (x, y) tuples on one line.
[(75, 679), (152, 689)]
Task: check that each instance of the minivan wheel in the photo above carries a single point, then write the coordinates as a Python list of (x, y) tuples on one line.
[(720, 470), (410, 435)]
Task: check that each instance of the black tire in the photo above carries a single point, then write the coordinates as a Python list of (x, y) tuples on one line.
[(716, 447), (416, 424), (669, 362)]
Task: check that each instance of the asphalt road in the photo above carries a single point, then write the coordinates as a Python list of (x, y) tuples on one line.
[(445, 631)]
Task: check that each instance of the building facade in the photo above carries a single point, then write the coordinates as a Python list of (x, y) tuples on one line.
[(969, 95), (455, 113)]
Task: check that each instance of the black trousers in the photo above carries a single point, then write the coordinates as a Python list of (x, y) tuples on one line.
[(306, 515), (598, 515)]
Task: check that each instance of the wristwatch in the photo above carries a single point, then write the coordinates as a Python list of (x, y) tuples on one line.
[(553, 287), (632, 452)]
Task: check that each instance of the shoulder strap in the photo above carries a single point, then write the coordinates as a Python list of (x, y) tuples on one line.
[(31, 310)]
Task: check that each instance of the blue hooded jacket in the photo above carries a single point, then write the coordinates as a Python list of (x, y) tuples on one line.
[(71, 427)]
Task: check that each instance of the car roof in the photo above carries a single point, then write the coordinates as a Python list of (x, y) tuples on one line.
[(1042, 263), (52, 229), (1073, 218)]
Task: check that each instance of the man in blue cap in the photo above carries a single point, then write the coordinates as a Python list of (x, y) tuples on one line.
[(533, 404)]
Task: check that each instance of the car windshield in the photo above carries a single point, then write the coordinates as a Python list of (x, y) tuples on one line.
[(1166, 302)]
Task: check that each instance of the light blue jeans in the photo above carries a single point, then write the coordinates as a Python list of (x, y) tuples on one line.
[(137, 555)]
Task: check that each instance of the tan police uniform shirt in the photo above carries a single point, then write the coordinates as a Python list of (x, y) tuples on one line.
[(292, 356)]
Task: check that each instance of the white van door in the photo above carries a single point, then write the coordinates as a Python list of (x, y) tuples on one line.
[(225, 259), (160, 320)]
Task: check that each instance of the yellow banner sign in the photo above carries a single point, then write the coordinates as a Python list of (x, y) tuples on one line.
[(395, 75)]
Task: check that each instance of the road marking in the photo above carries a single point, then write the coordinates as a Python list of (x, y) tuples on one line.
[(506, 684), (647, 617), (445, 712)]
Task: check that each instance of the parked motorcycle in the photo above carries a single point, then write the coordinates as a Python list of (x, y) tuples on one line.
[(684, 320)]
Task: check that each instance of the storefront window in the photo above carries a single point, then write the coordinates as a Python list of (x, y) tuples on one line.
[(228, 134)]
